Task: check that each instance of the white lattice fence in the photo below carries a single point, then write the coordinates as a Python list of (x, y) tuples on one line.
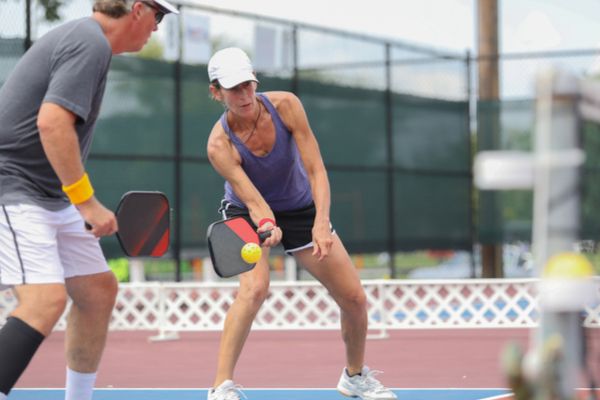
[(462, 304), (393, 304)]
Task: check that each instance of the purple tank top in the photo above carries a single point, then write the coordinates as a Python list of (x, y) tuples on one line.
[(279, 176)]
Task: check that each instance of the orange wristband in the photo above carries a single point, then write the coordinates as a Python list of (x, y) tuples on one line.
[(79, 191)]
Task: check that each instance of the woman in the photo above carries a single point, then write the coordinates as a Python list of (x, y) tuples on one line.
[(265, 149)]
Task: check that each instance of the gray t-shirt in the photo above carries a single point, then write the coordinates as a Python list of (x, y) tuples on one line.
[(68, 67)]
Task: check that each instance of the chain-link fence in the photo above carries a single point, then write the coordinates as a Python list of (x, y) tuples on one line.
[(394, 122), (508, 124)]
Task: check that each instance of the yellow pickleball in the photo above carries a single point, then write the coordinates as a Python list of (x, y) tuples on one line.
[(568, 265), (251, 253)]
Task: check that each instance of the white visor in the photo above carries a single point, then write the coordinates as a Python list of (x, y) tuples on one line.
[(166, 6), (230, 66)]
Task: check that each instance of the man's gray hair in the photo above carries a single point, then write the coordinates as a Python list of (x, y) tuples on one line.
[(113, 8)]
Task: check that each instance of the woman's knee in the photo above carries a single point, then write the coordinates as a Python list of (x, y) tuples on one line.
[(354, 300), (255, 293)]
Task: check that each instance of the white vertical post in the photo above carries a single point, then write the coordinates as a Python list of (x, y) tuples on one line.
[(136, 270), (208, 272), (291, 270), (380, 307), (557, 344), (556, 161), (163, 333)]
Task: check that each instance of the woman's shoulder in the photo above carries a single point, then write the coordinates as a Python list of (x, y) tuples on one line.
[(282, 100), (217, 135)]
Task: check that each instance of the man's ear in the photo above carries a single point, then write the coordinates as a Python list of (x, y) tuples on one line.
[(137, 10)]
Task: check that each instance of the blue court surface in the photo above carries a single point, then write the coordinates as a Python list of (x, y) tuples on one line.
[(259, 394)]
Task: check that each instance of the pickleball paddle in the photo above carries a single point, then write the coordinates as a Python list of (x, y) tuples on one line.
[(144, 224), (225, 241)]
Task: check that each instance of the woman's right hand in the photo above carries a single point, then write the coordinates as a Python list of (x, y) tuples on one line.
[(275, 236)]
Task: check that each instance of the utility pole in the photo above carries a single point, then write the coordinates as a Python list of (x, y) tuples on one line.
[(491, 249)]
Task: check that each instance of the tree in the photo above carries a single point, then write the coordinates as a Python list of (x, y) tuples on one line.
[(51, 8), (153, 50)]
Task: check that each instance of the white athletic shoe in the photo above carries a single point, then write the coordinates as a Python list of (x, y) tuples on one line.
[(226, 391), (364, 386)]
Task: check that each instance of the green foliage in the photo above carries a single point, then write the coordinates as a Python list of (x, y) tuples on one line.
[(153, 50), (51, 9), (223, 41), (595, 260), (120, 267), (590, 175), (164, 269)]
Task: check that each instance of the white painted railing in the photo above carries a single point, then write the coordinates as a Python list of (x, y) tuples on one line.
[(393, 304)]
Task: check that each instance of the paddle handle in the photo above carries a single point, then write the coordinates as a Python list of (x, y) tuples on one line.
[(262, 236)]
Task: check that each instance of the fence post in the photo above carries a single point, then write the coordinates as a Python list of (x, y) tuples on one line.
[(208, 271), (28, 41), (291, 268), (379, 305), (178, 156), (556, 217), (389, 118), (163, 333)]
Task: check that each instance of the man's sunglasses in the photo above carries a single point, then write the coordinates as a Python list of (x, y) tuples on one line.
[(159, 15)]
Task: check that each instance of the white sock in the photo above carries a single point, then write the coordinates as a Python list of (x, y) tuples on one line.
[(79, 385), (3, 396)]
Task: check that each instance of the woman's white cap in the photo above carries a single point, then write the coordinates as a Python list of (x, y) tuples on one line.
[(230, 66)]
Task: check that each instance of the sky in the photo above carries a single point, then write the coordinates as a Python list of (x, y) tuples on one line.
[(451, 25), (404, 20), (526, 25)]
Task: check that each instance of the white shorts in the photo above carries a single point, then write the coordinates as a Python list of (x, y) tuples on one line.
[(41, 246)]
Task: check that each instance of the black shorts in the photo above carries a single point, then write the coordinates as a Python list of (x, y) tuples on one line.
[(296, 225)]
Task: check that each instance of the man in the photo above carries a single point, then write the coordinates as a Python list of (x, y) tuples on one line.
[(48, 110)]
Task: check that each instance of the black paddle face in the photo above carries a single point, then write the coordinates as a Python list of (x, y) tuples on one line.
[(225, 241), (144, 224)]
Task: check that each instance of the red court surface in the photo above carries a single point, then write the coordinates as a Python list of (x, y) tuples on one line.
[(294, 359)]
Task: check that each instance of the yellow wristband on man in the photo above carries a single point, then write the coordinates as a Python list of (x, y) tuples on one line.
[(79, 191)]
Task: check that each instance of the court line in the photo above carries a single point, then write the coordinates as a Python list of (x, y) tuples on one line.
[(254, 393), (109, 388), (508, 395)]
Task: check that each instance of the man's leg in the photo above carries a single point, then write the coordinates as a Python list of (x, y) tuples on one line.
[(87, 326), (29, 262), (40, 306), (93, 288)]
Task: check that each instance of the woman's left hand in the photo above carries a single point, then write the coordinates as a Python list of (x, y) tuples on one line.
[(322, 240)]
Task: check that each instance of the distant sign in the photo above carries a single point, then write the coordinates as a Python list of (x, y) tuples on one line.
[(195, 31)]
